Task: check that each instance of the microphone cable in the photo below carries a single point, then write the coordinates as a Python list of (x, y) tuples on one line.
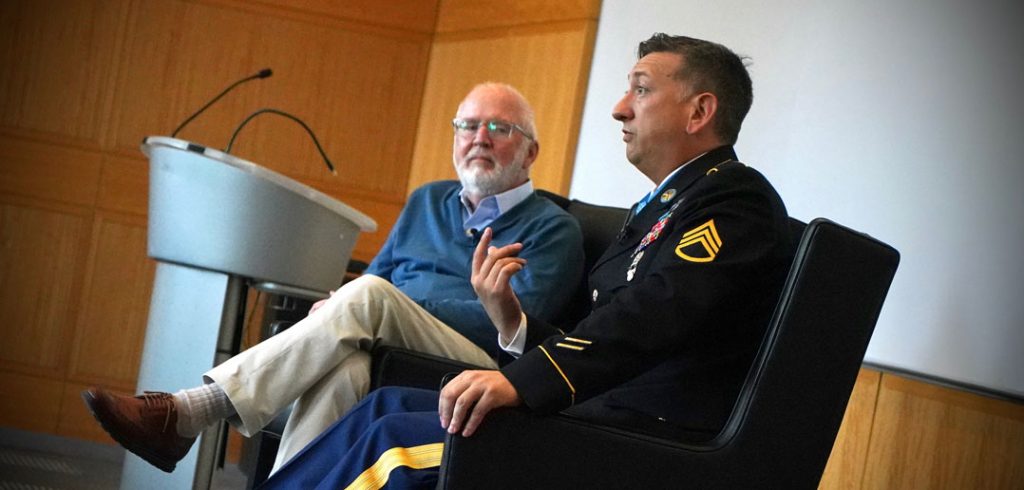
[(319, 148)]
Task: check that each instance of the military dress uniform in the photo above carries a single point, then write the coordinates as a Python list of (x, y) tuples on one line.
[(680, 303)]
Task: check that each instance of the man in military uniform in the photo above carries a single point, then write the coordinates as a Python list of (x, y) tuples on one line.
[(680, 301)]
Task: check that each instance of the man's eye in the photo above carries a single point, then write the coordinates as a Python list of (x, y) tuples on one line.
[(499, 127)]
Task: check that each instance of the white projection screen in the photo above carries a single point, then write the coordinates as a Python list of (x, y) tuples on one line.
[(898, 118)]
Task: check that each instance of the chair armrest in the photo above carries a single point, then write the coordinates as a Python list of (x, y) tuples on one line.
[(515, 449), (394, 366)]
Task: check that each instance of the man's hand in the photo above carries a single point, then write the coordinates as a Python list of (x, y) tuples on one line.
[(470, 396), (493, 268)]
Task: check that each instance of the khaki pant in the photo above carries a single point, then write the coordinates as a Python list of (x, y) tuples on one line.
[(323, 361)]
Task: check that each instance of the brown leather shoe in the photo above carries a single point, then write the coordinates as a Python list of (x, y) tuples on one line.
[(144, 424)]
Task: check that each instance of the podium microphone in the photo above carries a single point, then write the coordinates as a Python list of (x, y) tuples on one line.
[(264, 73), (319, 148)]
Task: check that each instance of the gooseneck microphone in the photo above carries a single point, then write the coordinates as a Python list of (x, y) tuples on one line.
[(319, 148), (264, 73)]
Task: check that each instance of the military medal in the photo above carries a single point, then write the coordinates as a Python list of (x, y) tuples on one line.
[(656, 230), (651, 236), (632, 267)]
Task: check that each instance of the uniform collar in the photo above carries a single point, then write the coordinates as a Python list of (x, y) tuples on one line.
[(673, 189), (668, 177), (681, 178), (661, 185)]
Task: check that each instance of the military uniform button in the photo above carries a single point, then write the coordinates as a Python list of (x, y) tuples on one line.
[(594, 295)]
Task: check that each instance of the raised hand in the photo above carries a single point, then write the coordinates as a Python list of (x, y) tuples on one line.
[(493, 268)]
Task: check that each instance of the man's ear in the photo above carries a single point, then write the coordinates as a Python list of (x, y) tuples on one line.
[(531, 154), (704, 107)]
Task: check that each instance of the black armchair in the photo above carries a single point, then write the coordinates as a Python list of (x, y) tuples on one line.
[(784, 422), (783, 425)]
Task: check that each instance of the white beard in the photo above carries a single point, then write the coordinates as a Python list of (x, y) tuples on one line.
[(489, 182)]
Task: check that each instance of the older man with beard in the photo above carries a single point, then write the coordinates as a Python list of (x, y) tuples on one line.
[(416, 294)]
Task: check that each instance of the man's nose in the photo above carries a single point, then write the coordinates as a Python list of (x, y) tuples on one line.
[(622, 110), (482, 136)]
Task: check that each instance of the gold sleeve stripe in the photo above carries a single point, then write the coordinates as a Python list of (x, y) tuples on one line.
[(417, 458), (580, 341), (572, 389), (569, 346)]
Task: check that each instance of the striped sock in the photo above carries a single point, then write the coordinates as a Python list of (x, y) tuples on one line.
[(201, 407)]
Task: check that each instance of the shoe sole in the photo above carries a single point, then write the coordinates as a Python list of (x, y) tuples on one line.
[(139, 451)]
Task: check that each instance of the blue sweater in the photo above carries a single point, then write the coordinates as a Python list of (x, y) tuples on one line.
[(428, 257)]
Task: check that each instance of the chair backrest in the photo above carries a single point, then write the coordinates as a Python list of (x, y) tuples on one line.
[(599, 225), (789, 410)]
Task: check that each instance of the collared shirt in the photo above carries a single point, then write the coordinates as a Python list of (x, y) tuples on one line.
[(491, 207)]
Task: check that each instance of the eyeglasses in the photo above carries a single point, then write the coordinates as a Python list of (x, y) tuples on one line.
[(495, 128)]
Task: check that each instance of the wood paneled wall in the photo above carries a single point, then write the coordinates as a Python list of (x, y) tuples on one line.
[(542, 48), (902, 433), (850, 451), (83, 81)]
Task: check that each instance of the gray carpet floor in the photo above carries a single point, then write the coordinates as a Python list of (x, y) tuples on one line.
[(33, 461)]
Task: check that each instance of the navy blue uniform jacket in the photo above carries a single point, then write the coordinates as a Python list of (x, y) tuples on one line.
[(680, 303)]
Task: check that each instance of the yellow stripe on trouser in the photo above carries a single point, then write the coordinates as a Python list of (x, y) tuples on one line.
[(417, 458)]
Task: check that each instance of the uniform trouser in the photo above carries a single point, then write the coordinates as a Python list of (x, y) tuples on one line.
[(323, 362), (392, 438)]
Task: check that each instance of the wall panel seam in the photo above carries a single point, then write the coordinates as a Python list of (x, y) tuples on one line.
[(108, 125), (553, 26), (871, 431), (319, 18)]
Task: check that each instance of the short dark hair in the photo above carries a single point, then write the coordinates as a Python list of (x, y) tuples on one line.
[(710, 67)]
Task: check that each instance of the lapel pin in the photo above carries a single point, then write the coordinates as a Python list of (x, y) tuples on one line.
[(668, 195)]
